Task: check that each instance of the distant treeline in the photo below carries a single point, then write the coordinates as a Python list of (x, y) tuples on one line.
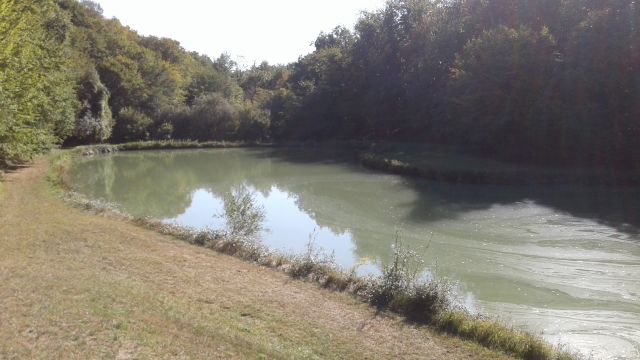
[(544, 81)]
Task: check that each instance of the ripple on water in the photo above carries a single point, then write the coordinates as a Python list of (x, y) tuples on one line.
[(563, 260), (599, 334)]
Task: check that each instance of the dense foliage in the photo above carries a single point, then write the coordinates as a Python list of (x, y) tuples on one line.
[(69, 74), (547, 81), (537, 81), (37, 103)]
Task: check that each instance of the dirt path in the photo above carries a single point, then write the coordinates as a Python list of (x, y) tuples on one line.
[(77, 285)]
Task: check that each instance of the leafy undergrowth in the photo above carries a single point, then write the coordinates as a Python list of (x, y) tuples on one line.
[(399, 289)]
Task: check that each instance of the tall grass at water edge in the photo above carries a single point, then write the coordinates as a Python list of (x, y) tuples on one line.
[(398, 289)]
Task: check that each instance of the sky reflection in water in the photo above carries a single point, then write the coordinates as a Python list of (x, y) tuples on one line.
[(563, 260), (286, 227)]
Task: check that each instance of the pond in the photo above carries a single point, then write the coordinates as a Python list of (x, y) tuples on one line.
[(563, 261)]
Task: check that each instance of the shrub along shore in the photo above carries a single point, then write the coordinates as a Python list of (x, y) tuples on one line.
[(396, 290)]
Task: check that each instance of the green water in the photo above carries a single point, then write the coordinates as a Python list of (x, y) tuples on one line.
[(558, 260)]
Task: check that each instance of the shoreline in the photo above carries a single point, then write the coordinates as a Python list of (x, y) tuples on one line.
[(84, 285), (458, 323), (416, 160)]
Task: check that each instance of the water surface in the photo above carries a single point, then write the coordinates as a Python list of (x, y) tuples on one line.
[(558, 260)]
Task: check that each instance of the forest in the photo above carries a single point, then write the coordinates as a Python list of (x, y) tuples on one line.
[(541, 82)]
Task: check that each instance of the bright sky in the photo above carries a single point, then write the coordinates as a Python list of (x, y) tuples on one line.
[(278, 31)]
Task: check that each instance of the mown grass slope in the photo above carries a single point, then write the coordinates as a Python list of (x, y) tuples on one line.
[(77, 285)]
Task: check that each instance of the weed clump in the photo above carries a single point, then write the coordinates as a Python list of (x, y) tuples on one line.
[(400, 288), (244, 221), (244, 218), (318, 266), (312, 262)]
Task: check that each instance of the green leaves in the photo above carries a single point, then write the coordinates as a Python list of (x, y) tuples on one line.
[(548, 81), (244, 219), (536, 81), (37, 101), (502, 91)]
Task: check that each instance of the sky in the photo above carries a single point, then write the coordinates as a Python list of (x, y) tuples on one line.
[(278, 31)]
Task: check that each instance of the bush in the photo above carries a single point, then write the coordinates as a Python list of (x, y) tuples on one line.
[(398, 278), (212, 117), (94, 122), (254, 124), (402, 289), (132, 124), (313, 263), (164, 131), (244, 219)]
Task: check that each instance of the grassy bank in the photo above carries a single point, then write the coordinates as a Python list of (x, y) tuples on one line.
[(396, 291), (188, 144), (76, 285), (180, 144), (89, 150)]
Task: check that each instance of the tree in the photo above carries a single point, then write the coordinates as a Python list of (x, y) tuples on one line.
[(502, 93), (94, 122), (213, 118), (602, 84), (37, 102), (132, 125)]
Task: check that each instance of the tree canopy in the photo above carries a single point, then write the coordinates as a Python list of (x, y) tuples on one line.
[(553, 81), (37, 102), (548, 81)]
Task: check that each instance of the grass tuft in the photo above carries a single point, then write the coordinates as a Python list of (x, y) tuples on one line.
[(495, 335), (313, 263), (399, 289)]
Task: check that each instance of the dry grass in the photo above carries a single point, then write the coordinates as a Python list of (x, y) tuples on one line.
[(396, 290), (75, 285)]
